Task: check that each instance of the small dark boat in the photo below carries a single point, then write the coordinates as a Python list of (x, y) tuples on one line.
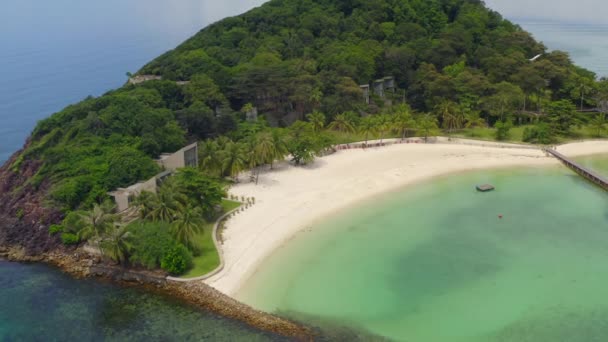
[(485, 187)]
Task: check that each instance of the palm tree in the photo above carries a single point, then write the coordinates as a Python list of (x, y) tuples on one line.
[(428, 125), (317, 120), (341, 123), (209, 156), (117, 244), (403, 122), (599, 123), (169, 203), (187, 224), (472, 120), (97, 221), (234, 159), (264, 150), (315, 97), (145, 202), (222, 142), (368, 127), (383, 125), (448, 111), (279, 145), (584, 87), (260, 152)]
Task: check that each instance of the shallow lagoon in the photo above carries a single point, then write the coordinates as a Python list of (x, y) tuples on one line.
[(434, 262)]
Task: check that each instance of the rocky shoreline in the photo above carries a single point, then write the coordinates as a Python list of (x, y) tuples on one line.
[(80, 265)]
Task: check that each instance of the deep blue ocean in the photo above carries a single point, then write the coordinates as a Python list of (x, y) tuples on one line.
[(54, 53)]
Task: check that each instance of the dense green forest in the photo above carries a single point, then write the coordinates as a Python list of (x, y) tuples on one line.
[(457, 66), (454, 59)]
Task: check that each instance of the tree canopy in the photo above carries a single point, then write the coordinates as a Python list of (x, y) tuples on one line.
[(292, 60)]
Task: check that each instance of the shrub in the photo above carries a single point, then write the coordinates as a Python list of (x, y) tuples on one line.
[(151, 241), (19, 213), (502, 129), (539, 134), (69, 239), (72, 223), (177, 260), (55, 228)]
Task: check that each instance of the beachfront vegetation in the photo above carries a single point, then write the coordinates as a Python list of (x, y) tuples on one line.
[(457, 65), (165, 230), (283, 81)]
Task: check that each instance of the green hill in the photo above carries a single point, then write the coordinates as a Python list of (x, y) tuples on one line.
[(289, 58)]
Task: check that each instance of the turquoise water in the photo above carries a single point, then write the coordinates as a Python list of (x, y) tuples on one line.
[(41, 304), (598, 163), (435, 262)]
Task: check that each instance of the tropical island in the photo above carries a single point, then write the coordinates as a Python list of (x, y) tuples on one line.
[(288, 101)]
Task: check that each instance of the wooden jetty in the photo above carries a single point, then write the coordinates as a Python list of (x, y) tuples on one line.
[(586, 173), (484, 187)]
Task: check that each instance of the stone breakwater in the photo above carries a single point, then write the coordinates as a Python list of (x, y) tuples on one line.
[(81, 265)]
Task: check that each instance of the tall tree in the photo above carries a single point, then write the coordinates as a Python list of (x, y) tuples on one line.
[(504, 101), (562, 116)]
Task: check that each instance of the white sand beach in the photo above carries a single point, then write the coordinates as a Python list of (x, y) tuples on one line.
[(289, 199)]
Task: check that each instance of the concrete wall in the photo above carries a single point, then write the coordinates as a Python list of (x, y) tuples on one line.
[(170, 162), (122, 201), (121, 196), (177, 160)]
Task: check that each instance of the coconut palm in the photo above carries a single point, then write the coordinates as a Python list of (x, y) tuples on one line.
[(97, 221), (402, 122), (188, 223), (317, 120), (145, 202), (209, 155), (222, 142), (279, 145), (472, 120), (449, 112), (368, 127), (341, 123), (117, 244), (383, 125), (169, 203), (315, 97), (234, 159), (265, 148)]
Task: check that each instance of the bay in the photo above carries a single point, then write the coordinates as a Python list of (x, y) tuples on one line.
[(439, 261)]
